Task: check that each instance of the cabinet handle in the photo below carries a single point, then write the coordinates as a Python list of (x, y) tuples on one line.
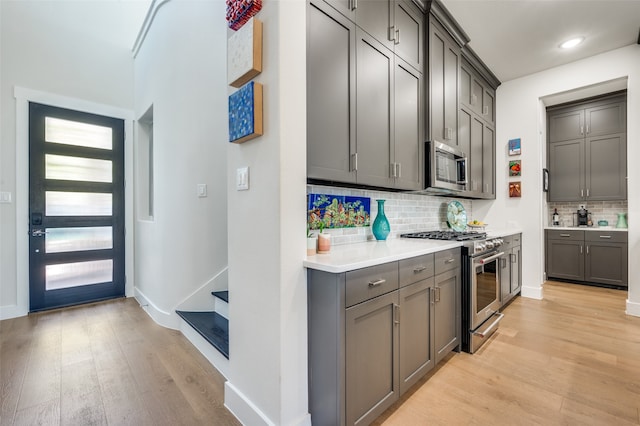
[(448, 133), (449, 261), (354, 162), (503, 263), (608, 237), (587, 192), (587, 129), (377, 283), (587, 249), (474, 99), (354, 4), (582, 193), (392, 33), (396, 312), (398, 170), (397, 40), (485, 110), (513, 258), (392, 169), (565, 235), (580, 249), (419, 269), (432, 293), (437, 294), (582, 130)]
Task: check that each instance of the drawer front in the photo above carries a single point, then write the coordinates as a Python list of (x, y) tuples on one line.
[(447, 260), (568, 235), (416, 269), (507, 242), (606, 236), (366, 283), (516, 240)]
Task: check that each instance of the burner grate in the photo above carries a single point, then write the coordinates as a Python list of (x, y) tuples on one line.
[(447, 235)]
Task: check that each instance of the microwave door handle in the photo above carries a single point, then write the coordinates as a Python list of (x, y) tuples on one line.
[(464, 164)]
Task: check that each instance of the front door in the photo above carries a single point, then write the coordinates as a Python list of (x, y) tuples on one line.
[(76, 207)]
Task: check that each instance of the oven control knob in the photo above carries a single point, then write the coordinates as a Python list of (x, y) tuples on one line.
[(480, 247), (489, 244), (497, 242)]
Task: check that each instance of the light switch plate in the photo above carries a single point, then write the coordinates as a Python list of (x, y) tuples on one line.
[(202, 190), (242, 178)]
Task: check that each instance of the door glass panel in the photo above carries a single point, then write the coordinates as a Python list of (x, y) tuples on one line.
[(58, 240), (67, 275), (67, 132), (62, 167), (78, 204)]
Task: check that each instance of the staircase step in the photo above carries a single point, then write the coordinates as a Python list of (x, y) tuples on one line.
[(222, 295), (212, 326)]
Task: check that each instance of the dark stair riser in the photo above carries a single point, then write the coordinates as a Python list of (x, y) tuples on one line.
[(222, 295), (212, 326)]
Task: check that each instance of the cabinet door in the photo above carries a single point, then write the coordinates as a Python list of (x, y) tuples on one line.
[(372, 345), (443, 84), (331, 92), (606, 119), (408, 139), (465, 85), (374, 114), (516, 270), (409, 33), (376, 18), (416, 349), (477, 92), (566, 125), (447, 313), (476, 152), (505, 278), (464, 138), (346, 7), (566, 171), (606, 168), (607, 263), (488, 105), (488, 162), (565, 259)]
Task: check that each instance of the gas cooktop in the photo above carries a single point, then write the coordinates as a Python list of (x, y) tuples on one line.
[(447, 235)]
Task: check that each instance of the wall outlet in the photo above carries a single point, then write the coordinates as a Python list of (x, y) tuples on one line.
[(5, 197), (201, 189)]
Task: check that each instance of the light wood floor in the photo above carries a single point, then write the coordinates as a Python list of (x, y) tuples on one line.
[(106, 363), (571, 359)]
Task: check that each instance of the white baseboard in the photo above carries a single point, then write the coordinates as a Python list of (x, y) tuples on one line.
[(12, 311), (206, 349), (532, 292), (633, 308), (163, 318), (241, 407)]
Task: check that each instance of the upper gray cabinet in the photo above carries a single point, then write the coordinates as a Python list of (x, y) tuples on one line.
[(408, 33), (587, 153), (331, 94), (444, 63), (476, 94)]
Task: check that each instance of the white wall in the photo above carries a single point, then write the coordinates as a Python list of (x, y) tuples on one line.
[(180, 70), (267, 240), (48, 56), (520, 113)]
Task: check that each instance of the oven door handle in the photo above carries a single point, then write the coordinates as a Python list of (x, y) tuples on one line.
[(490, 258), (494, 324)]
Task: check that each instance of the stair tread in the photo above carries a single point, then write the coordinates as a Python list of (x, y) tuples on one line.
[(212, 326), (222, 295)]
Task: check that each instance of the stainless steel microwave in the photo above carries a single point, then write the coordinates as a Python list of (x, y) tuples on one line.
[(445, 168)]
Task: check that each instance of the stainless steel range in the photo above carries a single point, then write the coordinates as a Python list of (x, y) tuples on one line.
[(480, 283)]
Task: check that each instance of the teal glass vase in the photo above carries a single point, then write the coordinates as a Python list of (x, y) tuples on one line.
[(622, 220), (380, 226)]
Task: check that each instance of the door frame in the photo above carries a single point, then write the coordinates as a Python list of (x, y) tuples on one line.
[(23, 96)]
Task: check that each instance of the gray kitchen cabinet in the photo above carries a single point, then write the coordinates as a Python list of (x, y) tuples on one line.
[(488, 162), (374, 332), (372, 347), (587, 152), (592, 256), (444, 63), (373, 16), (510, 268), (408, 33), (331, 95), (374, 111), (447, 300), (565, 254), (606, 258)]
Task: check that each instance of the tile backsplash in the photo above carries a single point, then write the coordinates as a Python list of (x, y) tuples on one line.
[(600, 210), (406, 212)]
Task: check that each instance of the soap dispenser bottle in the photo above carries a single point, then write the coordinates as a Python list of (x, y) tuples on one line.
[(556, 218)]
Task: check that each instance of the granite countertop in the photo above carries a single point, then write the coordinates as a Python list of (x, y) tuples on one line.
[(586, 228), (348, 257)]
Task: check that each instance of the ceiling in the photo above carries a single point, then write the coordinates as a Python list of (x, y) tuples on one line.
[(520, 37)]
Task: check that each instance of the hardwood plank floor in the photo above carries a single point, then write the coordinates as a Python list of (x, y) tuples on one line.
[(104, 364), (570, 359)]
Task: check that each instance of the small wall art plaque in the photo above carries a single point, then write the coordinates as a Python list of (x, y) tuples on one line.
[(515, 168), (514, 147), (244, 53), (515, 190), (240, 11), (245, 113)]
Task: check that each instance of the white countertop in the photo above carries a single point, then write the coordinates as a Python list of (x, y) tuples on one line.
[(586, 228), (502, 232), (348, 257)]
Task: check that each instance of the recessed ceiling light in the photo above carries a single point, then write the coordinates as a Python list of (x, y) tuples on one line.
[(572, 43)]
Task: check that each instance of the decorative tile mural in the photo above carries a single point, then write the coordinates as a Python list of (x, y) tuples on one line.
[(245, 113), (240, 11), (244, 53), (337, 211)]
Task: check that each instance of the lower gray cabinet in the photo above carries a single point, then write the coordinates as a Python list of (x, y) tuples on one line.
[(374, 332), (510, 268), (593, 256)]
